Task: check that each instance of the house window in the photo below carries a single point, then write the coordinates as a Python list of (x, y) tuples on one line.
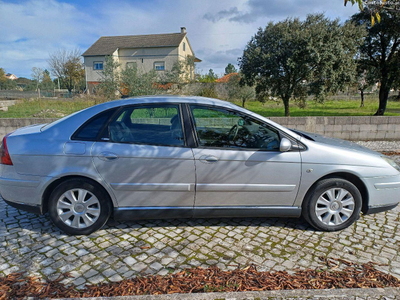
[(159, 66), (98, 65), (131, 65), (184, 47)]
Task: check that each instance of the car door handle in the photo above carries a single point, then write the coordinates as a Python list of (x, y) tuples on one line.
[(209, 159), (107, 156)]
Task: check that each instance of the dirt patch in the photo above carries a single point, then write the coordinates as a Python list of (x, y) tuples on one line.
[(335, 273), (391, 153)]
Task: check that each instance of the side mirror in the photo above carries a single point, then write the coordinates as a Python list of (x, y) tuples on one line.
[(285, 145)]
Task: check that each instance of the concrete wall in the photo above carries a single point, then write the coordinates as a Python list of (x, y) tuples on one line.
[(349, 128)]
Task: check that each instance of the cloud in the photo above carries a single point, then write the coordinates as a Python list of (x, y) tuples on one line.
[(222, 14), (280, 9), (218, 60)]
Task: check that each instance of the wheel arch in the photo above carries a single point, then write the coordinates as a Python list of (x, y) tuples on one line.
[(354, 179), (50, 188)]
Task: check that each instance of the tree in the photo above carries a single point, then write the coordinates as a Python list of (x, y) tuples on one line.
[(293, 58), (25, 84), (237, 89), (5, 83), (37, 76), (381, 51), (67, 66), (47, 83), (138, 83), (181, 71), (366, 77), (375, 7), (230, 69), (210, 77), (111, 77)]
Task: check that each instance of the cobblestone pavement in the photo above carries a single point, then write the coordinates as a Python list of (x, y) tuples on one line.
[(30, 243)]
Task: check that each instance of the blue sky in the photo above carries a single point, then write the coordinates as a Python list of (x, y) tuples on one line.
[(217, 30)]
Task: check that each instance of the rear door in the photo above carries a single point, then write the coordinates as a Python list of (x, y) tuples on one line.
[(143, 156)]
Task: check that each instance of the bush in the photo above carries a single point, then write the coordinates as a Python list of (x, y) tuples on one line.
[(208, 91)]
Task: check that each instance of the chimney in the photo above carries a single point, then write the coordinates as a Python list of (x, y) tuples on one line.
[(183, 29)]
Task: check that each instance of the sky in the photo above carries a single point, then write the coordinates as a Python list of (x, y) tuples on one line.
[(218, 30)]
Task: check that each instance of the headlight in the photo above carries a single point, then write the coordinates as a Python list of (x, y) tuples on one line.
[(391, 162)]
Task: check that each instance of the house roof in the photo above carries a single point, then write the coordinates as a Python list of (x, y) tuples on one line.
[(227, 77), (106, 45)]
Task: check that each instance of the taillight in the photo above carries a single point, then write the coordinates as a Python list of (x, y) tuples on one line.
[(5, 158)]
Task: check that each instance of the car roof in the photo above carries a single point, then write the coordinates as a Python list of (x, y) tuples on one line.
[(167, 99)]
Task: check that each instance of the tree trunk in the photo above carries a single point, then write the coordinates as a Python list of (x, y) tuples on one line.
[(286, 104), (383, 98), (243, 102), (362, 98)]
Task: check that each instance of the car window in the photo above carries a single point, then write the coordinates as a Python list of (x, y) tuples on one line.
[(90, 130), (220, 128), (151, 125)]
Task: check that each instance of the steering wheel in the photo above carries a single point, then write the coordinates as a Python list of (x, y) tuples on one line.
[(233, 132)]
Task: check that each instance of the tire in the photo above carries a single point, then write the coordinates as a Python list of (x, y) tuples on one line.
[(332, 204), (79, 207)]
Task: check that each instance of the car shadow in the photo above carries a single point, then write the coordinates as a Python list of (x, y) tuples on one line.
[(43, 225)]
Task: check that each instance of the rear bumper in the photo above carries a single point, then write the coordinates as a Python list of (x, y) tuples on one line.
[(26, 207), (21, 191)]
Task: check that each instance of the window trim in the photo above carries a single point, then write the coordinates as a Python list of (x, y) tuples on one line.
[(280, 133), (154, 65), (98, 62), (184, 46), (144, 105)]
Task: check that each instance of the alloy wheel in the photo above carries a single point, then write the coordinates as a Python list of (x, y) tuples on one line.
[(335, 206), (78, 208)]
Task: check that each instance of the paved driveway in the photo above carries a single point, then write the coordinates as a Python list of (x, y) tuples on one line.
[(32, 244)]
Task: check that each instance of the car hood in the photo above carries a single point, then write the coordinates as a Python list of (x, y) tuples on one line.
[(335, 142)]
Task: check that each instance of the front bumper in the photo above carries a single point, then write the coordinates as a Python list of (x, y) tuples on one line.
[(378, 209), (383, 192)]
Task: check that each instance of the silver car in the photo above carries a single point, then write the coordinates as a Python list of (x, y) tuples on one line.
[(188, 157)]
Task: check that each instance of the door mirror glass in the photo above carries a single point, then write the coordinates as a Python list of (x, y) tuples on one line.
[(285, 145)]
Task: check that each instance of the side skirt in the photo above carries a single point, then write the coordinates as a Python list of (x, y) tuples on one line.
[(173, 212)]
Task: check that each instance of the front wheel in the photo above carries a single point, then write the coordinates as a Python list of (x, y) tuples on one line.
[(78, 207), (332, 204)]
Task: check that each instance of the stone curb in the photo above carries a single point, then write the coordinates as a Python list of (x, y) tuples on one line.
[(385, 293)]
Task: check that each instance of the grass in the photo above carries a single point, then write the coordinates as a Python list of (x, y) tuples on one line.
[(40, 108), (340, 107)]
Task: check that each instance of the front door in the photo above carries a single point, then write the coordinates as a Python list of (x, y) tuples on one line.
[(238, 163), (144, 158)]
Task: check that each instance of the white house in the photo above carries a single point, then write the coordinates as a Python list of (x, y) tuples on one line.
[(155, 51)]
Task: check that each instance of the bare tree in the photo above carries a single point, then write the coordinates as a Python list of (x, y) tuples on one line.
[(67, 66), (37, 75)]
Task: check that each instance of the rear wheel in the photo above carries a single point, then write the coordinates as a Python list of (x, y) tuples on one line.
[(332, 204), (79, 207)]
